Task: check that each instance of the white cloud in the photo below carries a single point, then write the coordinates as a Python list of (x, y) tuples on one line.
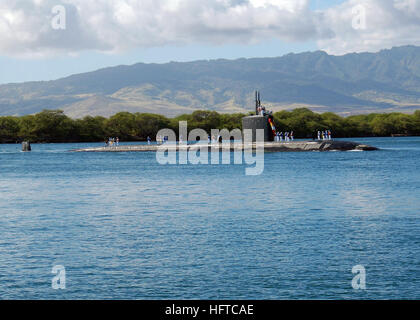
[(118, 25), (289, 5), (388, 23)]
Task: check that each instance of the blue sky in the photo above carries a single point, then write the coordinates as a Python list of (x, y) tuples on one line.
[(84, 48), (323, 4)]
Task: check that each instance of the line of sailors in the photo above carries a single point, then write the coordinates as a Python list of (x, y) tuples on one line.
[(213, 139), (112, 142), (262, 111), (324, 135), (286, 136), (161, 139)]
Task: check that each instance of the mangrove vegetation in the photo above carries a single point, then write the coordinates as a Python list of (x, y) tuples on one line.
[(55, 126)]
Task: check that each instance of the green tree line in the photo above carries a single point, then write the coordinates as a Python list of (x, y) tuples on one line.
[(55, 126)]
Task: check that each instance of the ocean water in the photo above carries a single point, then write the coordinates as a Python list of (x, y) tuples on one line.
[(126, 227)]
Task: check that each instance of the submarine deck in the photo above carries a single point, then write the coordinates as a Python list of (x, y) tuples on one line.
[(293, 146)]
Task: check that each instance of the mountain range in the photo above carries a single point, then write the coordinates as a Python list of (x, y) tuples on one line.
[(355, 83)]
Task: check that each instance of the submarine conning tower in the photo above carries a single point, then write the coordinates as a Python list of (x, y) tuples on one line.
[(261, 120)]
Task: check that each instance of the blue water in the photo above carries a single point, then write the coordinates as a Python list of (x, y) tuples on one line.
[(126, 227)]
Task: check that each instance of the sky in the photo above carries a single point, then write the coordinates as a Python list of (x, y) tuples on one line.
[(50, 39)]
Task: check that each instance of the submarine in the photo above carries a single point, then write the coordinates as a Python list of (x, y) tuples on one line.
[(261, 120)]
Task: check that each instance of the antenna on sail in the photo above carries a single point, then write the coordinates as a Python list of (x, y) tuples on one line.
[(256, 102)]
